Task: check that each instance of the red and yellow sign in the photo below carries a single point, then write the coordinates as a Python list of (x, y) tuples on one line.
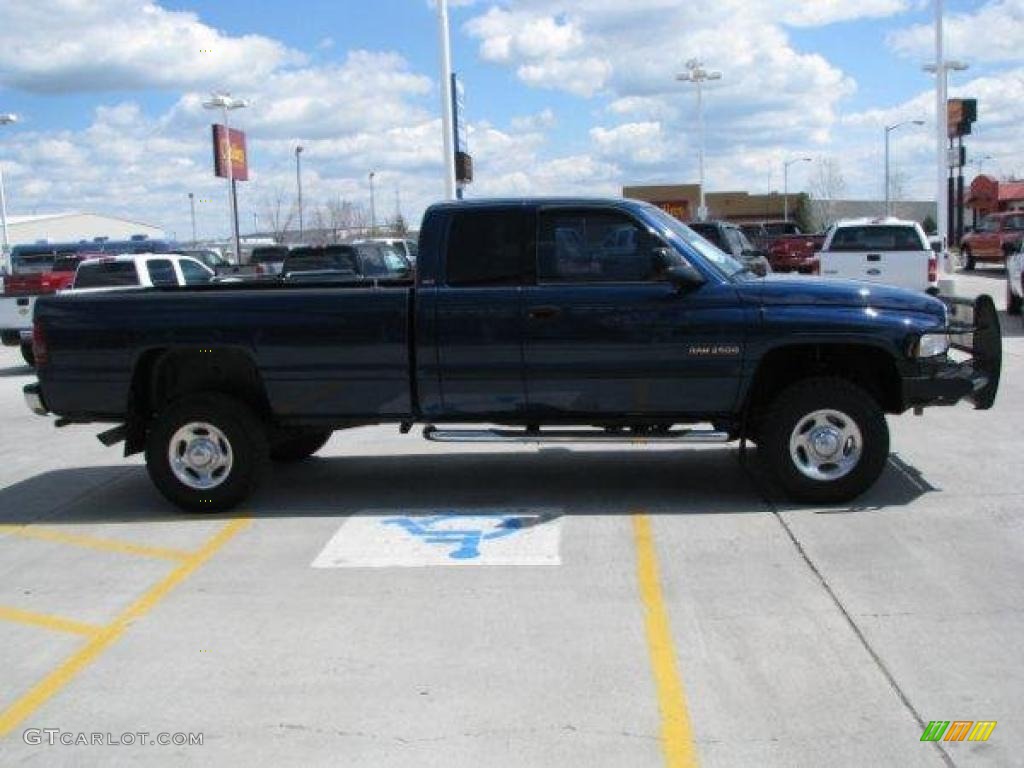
[(239, 154)]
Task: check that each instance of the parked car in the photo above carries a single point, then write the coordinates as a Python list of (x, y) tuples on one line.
[(730, 238), (268, 259), (790, 249), (362, 260), (1015, 281), (143, 270), (404, 246), (501, 327), (888, 250), (995, 237)]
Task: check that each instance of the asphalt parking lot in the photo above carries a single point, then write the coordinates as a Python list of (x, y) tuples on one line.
[(399, 603)]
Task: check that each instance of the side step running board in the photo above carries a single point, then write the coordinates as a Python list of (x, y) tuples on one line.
[(571, 436)]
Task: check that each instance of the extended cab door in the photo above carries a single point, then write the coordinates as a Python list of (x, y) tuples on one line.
[(607, 333), (478, 312)]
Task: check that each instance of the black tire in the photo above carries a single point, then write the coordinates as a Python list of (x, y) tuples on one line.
[(296, 447), (968, 258), (794, 406), (246, 445), (29, 355)]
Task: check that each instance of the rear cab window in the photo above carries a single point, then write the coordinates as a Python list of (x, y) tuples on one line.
[(161, 273), (329, 259), (487, 248), (877, 238), (106, 274)]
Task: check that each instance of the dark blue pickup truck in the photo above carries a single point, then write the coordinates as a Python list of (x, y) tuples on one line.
[(529, 321)]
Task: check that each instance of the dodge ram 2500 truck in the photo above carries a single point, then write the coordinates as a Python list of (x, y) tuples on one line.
[(552, 320)]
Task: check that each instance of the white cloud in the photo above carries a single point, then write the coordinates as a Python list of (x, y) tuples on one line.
[(125, 45), (992, 33)]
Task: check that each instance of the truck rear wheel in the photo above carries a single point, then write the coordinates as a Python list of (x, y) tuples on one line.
[(28, 354), (825, 440), (206, 452), (968, 257), (1013, 302), (296, 447)]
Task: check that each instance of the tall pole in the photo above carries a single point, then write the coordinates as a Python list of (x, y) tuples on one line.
[(5, 244), (298, 184), (373, 206), (888, 203), (192, 207), (446, 100), (941, 129), (235, 240), (785, 183), (702, 211)]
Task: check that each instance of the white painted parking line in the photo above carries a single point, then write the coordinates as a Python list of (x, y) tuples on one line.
[(453, 537)]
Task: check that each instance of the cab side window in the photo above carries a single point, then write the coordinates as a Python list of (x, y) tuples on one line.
[(193, 273), (595, 247), (161, 272)]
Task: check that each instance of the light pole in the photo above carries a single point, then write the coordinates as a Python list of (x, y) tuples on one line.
[(446, 100), (785, 183), (5, 245), (979, 162), (888, 187), (941, 68), (373, 206), (225, 102), (192, 208), (696, 74), (298, 183)]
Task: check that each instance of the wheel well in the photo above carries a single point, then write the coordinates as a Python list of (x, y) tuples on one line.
[(164, 375), (871, 368)]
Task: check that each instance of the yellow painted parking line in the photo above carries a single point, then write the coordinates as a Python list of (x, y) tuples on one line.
[(676, 733), (47, 621), (92, 542), (108, 635)]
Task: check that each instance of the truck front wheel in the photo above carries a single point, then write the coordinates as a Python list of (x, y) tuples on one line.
[(28, 354), (206, 452), (1013, 301), (825, 440)]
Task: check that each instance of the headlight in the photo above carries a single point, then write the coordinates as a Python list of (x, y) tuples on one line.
[(933, 345)]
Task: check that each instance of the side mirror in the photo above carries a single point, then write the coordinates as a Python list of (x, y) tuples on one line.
[(684, 276)]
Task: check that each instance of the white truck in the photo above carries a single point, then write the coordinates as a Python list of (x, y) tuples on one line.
[(887, 250)]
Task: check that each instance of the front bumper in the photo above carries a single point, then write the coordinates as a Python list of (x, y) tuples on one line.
[(34, 399), (975, 332)]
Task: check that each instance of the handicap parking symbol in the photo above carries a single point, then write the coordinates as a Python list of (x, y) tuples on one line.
[(445, 537)]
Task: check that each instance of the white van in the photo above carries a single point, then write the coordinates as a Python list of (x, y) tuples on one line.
[(891, 251)]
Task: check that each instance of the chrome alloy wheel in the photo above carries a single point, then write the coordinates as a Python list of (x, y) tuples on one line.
[(826, 445), (200, 456)]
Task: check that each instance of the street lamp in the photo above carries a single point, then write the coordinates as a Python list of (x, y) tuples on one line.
[(192, 207), (888, 188), (979, 162), (446, 100), (696, 74), (298, 183), (373, 206), (785, 183), (225, 102), (5, 245)]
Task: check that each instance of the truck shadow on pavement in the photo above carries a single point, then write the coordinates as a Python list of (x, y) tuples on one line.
[(662, 482), (17, 370)]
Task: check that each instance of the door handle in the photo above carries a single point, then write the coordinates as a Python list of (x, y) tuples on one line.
[(544, 313), (874, 257)]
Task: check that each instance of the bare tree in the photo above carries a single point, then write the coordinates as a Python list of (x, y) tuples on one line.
[(826, 187), (279, 214), (344, 219)]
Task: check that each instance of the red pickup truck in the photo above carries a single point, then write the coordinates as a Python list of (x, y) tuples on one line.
[(997, 236), (791, 250)]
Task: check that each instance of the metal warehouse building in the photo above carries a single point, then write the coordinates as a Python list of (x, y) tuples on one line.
[(72, 227)]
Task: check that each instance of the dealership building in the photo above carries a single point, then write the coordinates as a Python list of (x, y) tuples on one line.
[(74, 227)]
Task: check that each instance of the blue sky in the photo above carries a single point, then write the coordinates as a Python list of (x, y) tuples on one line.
[(564, 96)]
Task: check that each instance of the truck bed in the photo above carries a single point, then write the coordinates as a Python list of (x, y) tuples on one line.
[(322, 350)]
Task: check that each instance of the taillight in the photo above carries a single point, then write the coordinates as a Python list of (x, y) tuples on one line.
[(816, 267), (39, 348), (259, 269), (933, 268)]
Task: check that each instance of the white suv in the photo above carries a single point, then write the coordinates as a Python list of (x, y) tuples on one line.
[(891, 251), (139, 270)]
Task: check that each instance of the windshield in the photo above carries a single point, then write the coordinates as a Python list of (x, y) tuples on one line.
[(673, 230)]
